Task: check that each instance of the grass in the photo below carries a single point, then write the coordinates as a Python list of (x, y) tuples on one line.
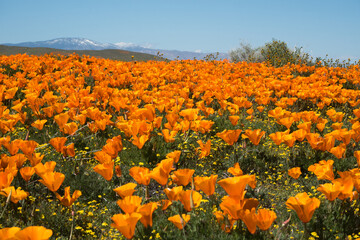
[(113, 54)]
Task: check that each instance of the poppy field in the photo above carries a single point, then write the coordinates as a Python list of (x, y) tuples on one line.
[(93, 148)]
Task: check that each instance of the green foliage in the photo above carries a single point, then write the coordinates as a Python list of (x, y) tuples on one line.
[(246, 53), (90, 216), (276, 53)]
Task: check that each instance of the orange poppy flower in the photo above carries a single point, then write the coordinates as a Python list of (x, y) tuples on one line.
[(321, 124), (178, 221), (190, 199), (174, 155), (185, 125), (17, 105), (314, 140), (236, 170), (140, 141), (329, 143), (118, 171), (250, 111), (276, 113), (19, 159), (164, 204), (306, 126), (81, 118), (126, 190), (254, 135), (129, 204), (126, 223), (28, 147), (337, 126), (287, 121), (162, 171), (41, 169), (347, 184), (226, 223), (101, 123), (169, 136), (205, 184), (265, 218), (35, 158), (62, 119), (9, 233), (10, 93), (299, 134), (250, 220), (11, 168), (235, 207), (69, 150), (357, 156), (16, 194), (235, 186), (303, 205), (146, 212), (190, 114), (229, 136), (234, 119), (27, 172), (157, 122), (39, 124), (69, 128), (68, 200), (140, 175), (173, 193), (113, 146), (34, 232), (338, 151), (172, 119), (13, 146), (58, 143), (52, 180), (205, 149), (289, 140), (260, 108), (102, 157), (105, 169), (203, 126), (331, 190), (294, 172), (206, 110), (183, 176), (59, 107), (49, 111), (277, 137), (323, 170)]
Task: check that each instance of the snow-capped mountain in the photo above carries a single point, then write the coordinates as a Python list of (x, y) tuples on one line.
[(67, 44), (86, 44)]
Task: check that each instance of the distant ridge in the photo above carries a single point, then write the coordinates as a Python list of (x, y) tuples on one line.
[(113, 54), (86, 44)]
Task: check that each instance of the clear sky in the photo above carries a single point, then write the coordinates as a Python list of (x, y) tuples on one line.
[(320, 26)]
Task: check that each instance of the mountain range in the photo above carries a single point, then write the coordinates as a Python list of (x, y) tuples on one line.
[(86, 44)]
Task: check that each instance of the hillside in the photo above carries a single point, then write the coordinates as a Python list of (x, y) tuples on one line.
[(71, 43), (114, 54)]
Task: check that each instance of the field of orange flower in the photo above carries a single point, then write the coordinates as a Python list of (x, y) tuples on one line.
[(100, 149)]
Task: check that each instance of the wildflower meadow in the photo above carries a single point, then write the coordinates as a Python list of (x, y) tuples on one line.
[(94, 148)]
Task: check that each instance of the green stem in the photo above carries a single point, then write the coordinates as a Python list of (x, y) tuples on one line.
[(73, 222), (6, 204), (138, 230), (183, 226), (306, 232)]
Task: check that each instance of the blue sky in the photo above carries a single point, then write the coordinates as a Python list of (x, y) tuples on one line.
[(320, 27)]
